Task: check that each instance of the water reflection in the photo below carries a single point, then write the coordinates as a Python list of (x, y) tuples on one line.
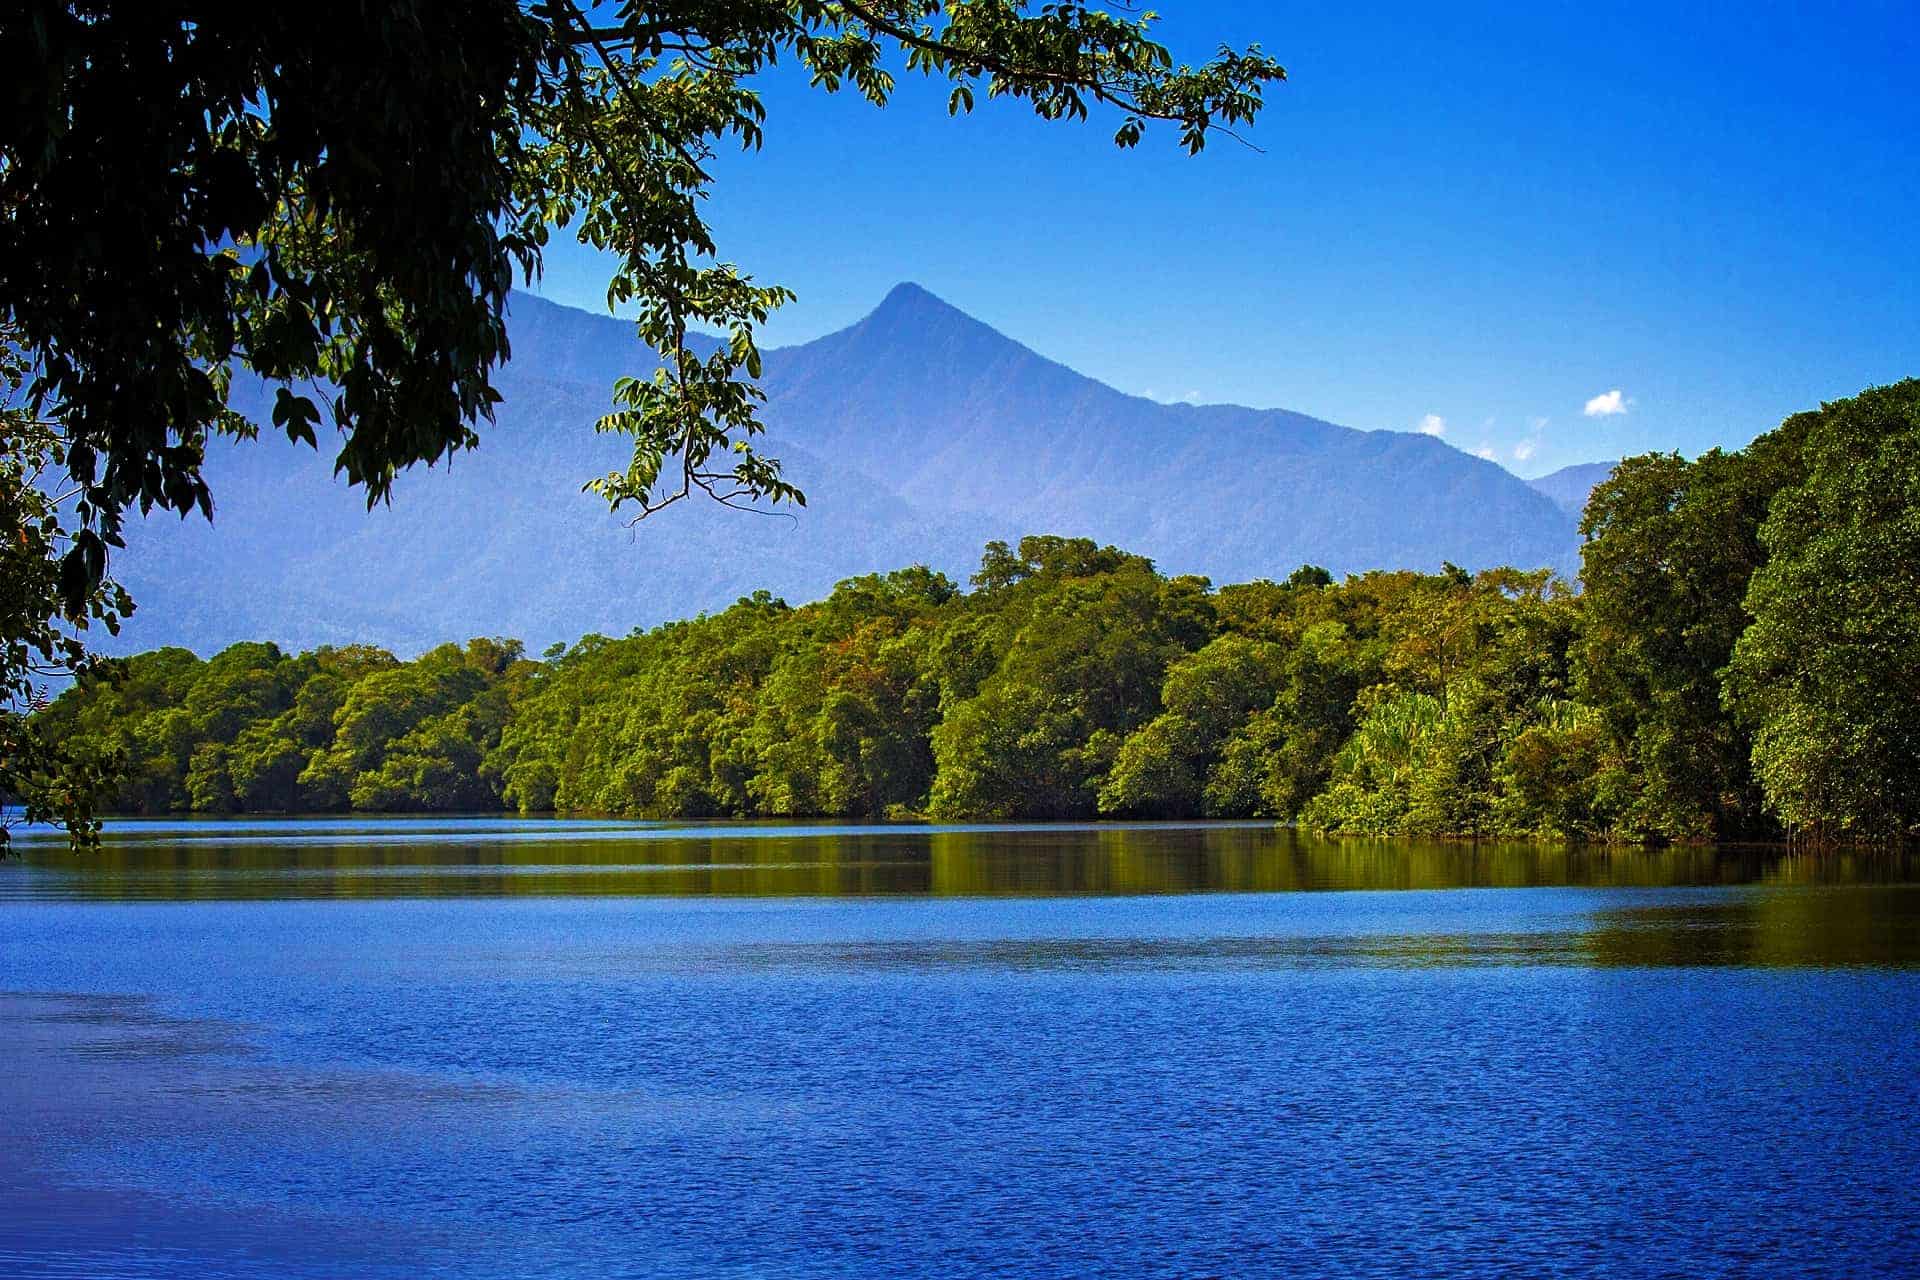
[(1017, 1051), (390, 858), (1872, 927)]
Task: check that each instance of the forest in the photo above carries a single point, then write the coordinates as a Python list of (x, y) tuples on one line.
[(1739, 660)]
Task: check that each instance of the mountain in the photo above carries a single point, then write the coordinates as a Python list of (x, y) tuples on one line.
[(918, 434), (1569, 486), (963, 420)]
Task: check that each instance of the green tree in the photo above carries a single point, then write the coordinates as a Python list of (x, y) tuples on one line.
[(1331, 637), (264, 766), (209, 780), (255, 730), (1559, 778), (128, 724), (1670, 548), (42, 633), (843, 722), (1462, 666), (1166, 768), (1084, 635), (380, 715), (242, 684), (1371, 790), (1828, 676)]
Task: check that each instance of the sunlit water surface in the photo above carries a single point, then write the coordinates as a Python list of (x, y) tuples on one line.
[(490, 1048)]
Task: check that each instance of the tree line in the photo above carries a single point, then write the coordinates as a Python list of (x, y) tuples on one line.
[(1741, 661)]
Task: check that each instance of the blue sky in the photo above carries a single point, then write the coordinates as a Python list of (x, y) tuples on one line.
[(1476, 218)]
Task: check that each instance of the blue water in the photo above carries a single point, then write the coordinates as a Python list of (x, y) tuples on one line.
[(1042, 1052)]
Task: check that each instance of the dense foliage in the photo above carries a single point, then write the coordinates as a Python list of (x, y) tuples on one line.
[(1827, 678), (40, 643), (254, 729), (1746, 653)]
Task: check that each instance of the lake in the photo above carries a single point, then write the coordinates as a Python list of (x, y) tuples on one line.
[(492, 1047)]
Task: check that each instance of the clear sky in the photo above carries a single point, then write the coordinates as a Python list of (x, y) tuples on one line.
[(1556, 232)]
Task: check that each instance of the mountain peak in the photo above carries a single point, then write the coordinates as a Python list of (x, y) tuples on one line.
[(912, 325), (910, 304), (909, 294)]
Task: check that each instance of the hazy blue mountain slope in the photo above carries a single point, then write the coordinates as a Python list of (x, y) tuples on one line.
[(918, 434), (959, 418), (501, 540), (1569, 486)]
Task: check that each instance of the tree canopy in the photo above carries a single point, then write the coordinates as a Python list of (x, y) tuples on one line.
[(40, 640), (1741, 663), (1826, 678)]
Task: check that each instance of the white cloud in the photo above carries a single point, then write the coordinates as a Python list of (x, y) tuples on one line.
[(1433, 425), (1538, 424), (1606, 406), (1486, 451), (1524, 450)]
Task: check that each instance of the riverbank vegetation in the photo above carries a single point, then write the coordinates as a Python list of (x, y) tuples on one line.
[(1742, 660)]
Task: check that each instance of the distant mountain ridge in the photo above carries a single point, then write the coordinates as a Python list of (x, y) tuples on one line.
[(1570, 486), (918, 433)]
